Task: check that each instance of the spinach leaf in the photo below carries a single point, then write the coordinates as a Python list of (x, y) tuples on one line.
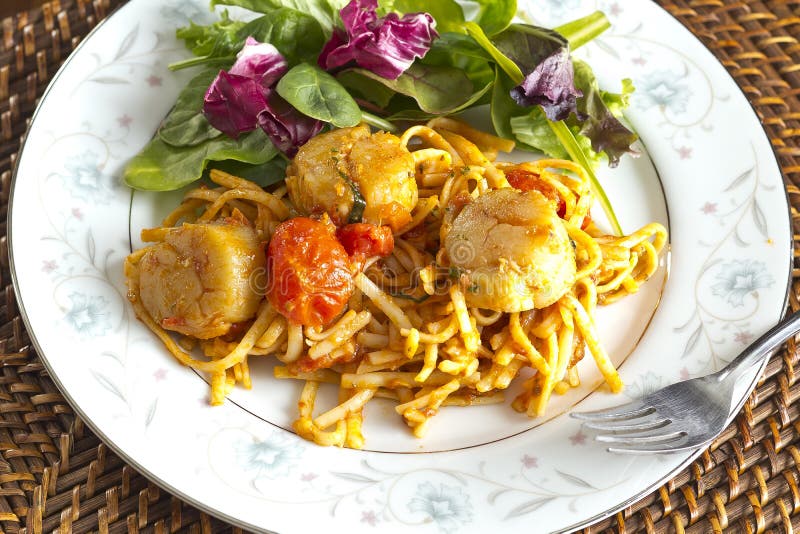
[(450, 45), (271, 172), (462, 52), (448, 14), (607, 133), (479, 73), (326, 12), (297, 36), (185, 125), (162, 167), (410, 113), (481, 96), (368, 88), (436, 89), (494, 16), (315, 93)]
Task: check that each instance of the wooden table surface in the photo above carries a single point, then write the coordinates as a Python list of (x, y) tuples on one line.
[(9, 7)]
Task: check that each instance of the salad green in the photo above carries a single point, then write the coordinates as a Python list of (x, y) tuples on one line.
[(315, 93), (338, 63)]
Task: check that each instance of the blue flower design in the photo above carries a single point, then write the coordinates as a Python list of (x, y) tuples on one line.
[(85, 179), (181, 11), (88, 315), (448, 506), (740, 277), (664, 89), (274, 457), (559, 9)]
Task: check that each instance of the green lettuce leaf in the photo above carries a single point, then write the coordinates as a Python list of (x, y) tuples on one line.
[(185, 125), (447, 13), (325, 11), (533, 130), (219, 38), (162, 167), (599, 123)]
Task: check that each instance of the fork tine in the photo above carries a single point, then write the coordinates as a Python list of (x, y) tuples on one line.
[(654, 436), (656, 448), (626, 411), (651, 421)]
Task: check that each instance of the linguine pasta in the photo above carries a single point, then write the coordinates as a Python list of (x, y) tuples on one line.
[(439, 321)]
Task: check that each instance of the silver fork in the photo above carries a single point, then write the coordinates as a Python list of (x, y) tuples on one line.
[(687, 414)]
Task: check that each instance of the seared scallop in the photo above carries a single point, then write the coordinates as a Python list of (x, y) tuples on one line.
[(203, 278), (354, 176), (511, 251)]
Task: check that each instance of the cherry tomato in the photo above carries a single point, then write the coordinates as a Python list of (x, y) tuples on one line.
[(366, 240), (310, 273), (530, 181)]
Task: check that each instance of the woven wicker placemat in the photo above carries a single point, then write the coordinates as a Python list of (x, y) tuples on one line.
[(55, 475)]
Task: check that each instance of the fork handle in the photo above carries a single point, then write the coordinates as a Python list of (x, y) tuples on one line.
[(764, 345)]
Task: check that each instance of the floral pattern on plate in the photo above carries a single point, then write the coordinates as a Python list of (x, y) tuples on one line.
[(73, 223)]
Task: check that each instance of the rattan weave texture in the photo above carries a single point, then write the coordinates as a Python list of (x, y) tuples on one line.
[(55, 475)]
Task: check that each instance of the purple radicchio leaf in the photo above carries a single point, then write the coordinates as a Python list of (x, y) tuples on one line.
[(386, 46), (287, 128), (550, 85), (243, 98), (544, 59), (261, 62), (232, 104), (236, 97)]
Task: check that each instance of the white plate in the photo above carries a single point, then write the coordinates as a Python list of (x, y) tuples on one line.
[(707, 160)]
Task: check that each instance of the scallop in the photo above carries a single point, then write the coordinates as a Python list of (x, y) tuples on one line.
[(511, 251), (203, 278), (353, 176)]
